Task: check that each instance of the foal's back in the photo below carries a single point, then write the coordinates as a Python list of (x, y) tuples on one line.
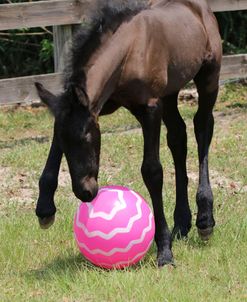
[(171, 42)]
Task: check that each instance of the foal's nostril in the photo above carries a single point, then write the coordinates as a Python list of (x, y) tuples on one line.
[(87, 196), (85, 190), (84, 196)]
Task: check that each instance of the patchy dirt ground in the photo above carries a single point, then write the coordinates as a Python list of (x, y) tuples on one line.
[(18, 188), (219, 181), (15, 189), (24, 126)]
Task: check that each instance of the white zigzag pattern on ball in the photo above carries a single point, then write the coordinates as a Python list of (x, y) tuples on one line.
[(119, 250), (116, 231), (118, 207), (128, 261)]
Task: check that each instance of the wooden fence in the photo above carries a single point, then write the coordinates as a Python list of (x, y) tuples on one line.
[(63, 14)]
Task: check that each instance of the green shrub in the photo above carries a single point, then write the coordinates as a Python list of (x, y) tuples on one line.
[(233, 31), (25, 51)]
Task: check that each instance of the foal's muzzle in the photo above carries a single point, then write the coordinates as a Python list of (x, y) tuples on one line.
[(86, 190)]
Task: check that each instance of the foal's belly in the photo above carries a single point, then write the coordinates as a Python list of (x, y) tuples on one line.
[(177, 78), (165, 81)]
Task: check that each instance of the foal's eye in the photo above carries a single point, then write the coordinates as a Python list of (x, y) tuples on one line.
[(86, 137)]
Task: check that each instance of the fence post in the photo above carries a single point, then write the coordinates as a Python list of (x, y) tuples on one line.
[(62, 36)]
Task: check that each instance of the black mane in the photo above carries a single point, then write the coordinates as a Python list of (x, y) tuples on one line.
[(104, 15)]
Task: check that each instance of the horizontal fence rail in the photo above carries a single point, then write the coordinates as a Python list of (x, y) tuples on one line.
[(22, 90), (69, 12), (227, 5), (62, 12), (42, 13), (16, 89), (234, 67)]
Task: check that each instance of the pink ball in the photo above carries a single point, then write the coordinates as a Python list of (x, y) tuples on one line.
[(116, 229)]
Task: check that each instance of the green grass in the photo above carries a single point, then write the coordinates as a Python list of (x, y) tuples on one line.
[(37, 265)]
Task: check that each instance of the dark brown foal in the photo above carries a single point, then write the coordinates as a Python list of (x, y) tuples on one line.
[(139, 57)]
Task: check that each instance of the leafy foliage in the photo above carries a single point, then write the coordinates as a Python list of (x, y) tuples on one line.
[(26, 51), (233, 31)]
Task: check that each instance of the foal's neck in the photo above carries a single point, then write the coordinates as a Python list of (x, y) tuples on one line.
[(104, 69)]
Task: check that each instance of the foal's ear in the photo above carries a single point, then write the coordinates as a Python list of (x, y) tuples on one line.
[(81, 96), (47, 98)]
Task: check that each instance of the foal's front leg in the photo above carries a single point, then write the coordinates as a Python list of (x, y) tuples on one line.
[(45, 209), (152, 172)]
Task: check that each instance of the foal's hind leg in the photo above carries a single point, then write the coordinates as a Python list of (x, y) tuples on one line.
[(177, 142), (207, 82), (45, 209), (152, 172)]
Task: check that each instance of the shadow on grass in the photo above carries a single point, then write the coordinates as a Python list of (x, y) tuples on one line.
[(193, 240), (23, 142), (44, 139), (60, 266), (73, 264), (197, 243), (237, 105)]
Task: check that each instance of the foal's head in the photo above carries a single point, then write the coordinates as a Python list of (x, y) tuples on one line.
[(77, 132)]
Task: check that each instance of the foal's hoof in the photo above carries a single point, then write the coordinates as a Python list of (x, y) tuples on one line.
[(205, 234), (46, 222), (165, 258)]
